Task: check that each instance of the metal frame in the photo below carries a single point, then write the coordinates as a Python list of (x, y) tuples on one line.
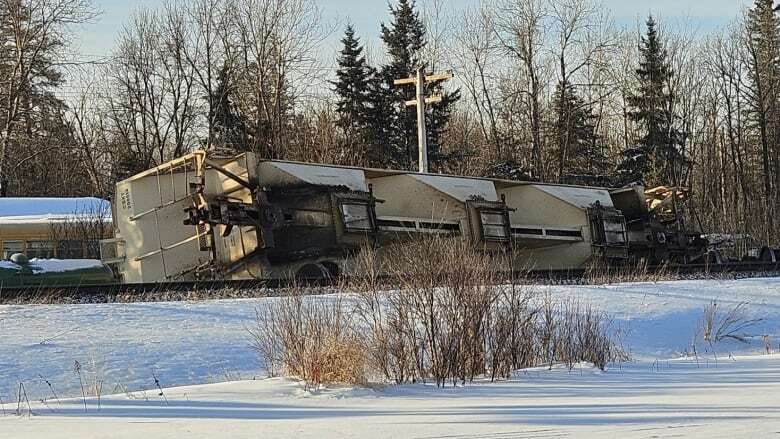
[(491, 207), (597, 217), (372, 228), (573, 234), (418, 225)]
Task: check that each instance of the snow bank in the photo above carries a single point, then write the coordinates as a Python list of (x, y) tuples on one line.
[(124, 346)]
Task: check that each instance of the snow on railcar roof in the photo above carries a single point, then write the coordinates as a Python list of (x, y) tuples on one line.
[(52, 208)]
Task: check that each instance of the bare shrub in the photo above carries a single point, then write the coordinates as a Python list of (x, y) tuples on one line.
[(443, 301), (547, 331), (310, 338), (431, 309), (444, 316), (390, 349), (511, 341), (571, 332), (594, 343)]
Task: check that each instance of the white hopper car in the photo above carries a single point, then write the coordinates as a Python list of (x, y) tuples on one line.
[(201, 217)]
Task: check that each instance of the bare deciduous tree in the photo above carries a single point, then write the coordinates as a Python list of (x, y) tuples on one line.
[(277, 64), (34, 33), (520, 25), (477, 58)]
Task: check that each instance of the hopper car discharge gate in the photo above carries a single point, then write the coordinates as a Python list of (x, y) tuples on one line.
[(609, 235), (489, 221)]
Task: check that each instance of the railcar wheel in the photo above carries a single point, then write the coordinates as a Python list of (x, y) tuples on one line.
[(312, 272)]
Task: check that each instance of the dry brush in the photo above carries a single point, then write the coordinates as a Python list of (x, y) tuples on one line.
[(432, 310)]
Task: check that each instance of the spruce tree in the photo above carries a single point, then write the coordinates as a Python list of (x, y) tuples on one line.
[(353, 87), (580, 152), (404, 40), (657, 157), (228, 126)]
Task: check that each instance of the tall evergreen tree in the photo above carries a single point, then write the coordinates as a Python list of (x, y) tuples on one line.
[(580, 152), (657, 158), (404, 40), (230, 129), (354, 89)]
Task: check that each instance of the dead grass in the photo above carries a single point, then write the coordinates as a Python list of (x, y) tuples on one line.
[(599, 273), (717, 325)]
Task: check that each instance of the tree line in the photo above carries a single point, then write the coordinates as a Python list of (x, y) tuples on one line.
[(545, 90)]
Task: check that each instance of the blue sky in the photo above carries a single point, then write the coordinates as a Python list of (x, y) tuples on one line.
[(98, 38)]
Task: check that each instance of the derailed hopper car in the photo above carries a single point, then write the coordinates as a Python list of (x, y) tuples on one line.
[(151, 241), (326, 214), (238, 218), (563, 227), (203, 217), (656, 228), (418, 204)]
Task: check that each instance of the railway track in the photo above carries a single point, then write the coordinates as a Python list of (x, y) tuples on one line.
[(203, 290)]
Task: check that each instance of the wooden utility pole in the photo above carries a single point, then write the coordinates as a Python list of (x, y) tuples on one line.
[(420, 101)]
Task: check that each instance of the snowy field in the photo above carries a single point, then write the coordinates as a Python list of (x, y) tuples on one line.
[(125, 346)]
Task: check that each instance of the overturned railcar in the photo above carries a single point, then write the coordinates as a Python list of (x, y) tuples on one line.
[(154, 242), (413, 205), (201, 217), (656, 228), (326, 213), (563, 227), (205, 217)]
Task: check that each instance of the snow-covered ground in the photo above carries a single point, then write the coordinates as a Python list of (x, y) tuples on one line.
[(738, 399), (125, 346)]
